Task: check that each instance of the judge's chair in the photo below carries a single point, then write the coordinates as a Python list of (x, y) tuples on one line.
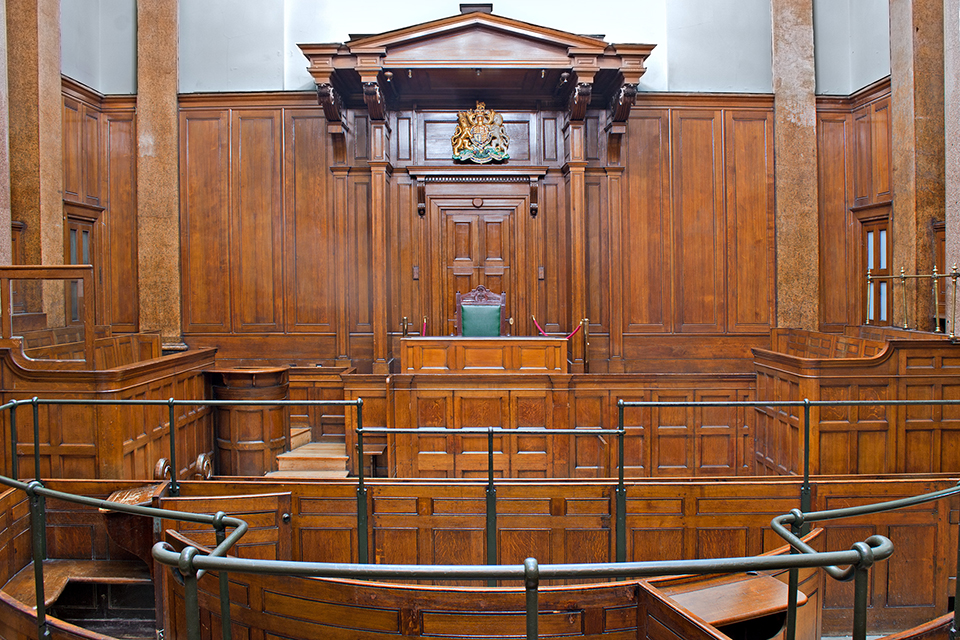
[(480, 313)]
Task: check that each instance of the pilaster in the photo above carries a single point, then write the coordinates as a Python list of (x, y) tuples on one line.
[(917, 140), (158, 175), (951, 119), (795, 145), (35, 128)]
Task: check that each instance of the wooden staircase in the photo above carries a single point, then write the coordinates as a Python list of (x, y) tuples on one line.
[(308, 459)]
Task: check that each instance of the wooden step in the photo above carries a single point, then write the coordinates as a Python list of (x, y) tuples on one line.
[(307, 475), (315, 456), (300, 436), (57, 573)]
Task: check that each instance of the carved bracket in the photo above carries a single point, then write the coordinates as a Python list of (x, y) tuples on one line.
[(421, 197), (534, 188), (373, 97), (622, 101), (579, 100), (330, 101)]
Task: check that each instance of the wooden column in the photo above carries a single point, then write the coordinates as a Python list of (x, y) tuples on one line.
[(951, 119), (5, 255), (158, 179), (614, 212), (795, 115), (35, 127), (575, 170), (340, 231), (917, 132), (380, 170)]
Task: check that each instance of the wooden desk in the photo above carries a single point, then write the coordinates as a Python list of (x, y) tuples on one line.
[(726, 600), (483, 355)]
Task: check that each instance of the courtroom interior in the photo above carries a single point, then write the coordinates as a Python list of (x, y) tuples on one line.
[(469, 284)]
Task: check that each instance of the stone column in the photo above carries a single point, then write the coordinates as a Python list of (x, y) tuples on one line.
[(158, 175), (951, 119), (5, 256), (917, 140), (795, 144), (35, 128)]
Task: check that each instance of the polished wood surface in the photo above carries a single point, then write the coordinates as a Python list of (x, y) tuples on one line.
[(706, 274), (483, 355), (249, 438), (878, 364), (109, 441), (732, 599), (660, 442), (571, 521)]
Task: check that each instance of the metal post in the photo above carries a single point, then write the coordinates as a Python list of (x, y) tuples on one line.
[(621, 521), (805, 488), (793, 584), (363, 552), (220, 528), (36, 438), (14, 463), (956, 593), (860, 603), (38, 530), (936, 301), (903, 289), (491, 508), (531, 573), (191, 600), (174, 469)]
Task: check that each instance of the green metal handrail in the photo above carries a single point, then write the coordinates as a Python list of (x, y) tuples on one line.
[(37, 494), (172, 403), (192, 563), (858, 560)]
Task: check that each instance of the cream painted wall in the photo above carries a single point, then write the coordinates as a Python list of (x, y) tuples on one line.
[(251, 45)]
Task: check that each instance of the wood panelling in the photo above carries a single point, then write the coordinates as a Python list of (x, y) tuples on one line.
[(700, 226), (854, 165), (112, 441), (205, 222), (864, 439), (99, 174), (564, 521), (664, 442), (256, 230), (676, 240)]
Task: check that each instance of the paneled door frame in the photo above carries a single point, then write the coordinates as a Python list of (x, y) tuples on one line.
[(438, 297)]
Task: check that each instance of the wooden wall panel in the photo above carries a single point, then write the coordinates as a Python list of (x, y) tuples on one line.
[(700, 226), (837, 285), (553, 251), (72, 150), (597, 258), (256, 214), (646, 226), (751, 289), (359, 286), (121, 260), (310, 285), (206, 276), (92, 152)]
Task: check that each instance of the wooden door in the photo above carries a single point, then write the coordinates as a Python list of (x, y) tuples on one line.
[(80, 247), (478, 249)]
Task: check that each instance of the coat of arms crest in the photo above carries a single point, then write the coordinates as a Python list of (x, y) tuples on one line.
[(480, 136)]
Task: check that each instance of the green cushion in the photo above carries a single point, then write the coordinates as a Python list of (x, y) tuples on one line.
[(480, 320)]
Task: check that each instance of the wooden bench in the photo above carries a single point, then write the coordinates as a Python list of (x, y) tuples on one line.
[(58, 573)]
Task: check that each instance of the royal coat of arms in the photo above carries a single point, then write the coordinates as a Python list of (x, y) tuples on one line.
[(480, 136)]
